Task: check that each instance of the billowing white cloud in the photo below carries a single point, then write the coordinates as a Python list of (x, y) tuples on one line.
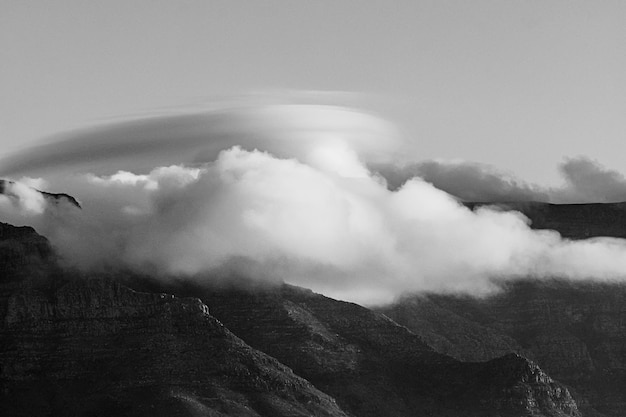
[(307, 211)]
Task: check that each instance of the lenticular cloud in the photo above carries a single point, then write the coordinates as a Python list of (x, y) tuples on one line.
[(286, 195)]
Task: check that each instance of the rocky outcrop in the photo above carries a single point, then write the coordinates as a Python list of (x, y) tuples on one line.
[(529, 389)]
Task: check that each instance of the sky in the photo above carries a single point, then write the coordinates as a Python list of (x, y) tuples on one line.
[(519, 85)]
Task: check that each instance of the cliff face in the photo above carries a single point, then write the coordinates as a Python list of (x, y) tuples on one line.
[(77, 346), (23, 252), (95, 347)]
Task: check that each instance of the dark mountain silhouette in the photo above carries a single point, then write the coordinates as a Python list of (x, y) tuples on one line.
[(373, 366), (76, 345), (70, 345)]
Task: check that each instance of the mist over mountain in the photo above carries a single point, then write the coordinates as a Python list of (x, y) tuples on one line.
[(158, 268), (288, 192), (90, 345), (356, 361)]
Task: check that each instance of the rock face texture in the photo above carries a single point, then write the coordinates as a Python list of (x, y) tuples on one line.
[(23, 252), (73, 346), (77, 347), (373, 367)]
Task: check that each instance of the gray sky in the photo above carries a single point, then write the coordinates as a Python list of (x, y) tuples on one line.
[(517, 84)]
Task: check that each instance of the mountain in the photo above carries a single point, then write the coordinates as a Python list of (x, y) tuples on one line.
[(74, 346), (77, 345), (574, 331)]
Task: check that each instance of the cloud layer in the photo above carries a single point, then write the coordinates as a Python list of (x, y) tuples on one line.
[(584, 181), (285, 193)]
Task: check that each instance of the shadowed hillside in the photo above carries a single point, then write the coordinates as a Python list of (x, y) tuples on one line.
[(74, 346), (71, 345)]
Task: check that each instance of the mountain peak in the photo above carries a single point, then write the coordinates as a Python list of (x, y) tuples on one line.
[(7, 188)]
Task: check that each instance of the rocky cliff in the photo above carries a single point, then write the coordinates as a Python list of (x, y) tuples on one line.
[(70, 345), (79, 346)]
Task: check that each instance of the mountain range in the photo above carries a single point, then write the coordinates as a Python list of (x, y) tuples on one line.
[(120, 343)]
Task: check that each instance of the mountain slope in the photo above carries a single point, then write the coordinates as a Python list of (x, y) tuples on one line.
[(573, 221), (78, 346), (74, 346), (373, 366), (575, 331)]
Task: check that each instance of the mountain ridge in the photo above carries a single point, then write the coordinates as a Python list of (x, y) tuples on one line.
[(80, 345)]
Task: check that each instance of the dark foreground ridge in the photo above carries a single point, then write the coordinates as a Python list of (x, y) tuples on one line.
[(73, 346), (375, 367), (78, 346)]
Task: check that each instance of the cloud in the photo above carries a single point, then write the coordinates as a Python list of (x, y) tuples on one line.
[(22, 196), (587, 180), (285, 193), (584, 181), (138, 145), (468, 181)]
